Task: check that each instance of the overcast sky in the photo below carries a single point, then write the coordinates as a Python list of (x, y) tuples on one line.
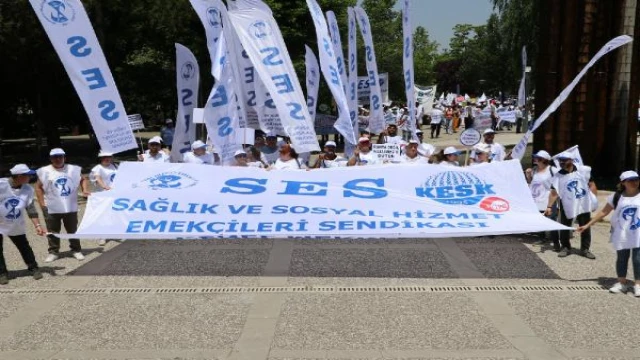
[(439, 17)]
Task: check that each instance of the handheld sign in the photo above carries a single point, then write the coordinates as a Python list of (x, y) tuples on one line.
[(469, 138), (387, 152)]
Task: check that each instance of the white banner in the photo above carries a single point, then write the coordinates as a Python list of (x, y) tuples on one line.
[(187, 81), (522, 91), (353, 79), (520, 148), (334, 32), (425, 95), (407, 65), (364, 89), (155, 201), (376, 117), (209, 13), (136, 122), (506, 115), (70, 31), (329, 66), (313, 80), (263, 42)]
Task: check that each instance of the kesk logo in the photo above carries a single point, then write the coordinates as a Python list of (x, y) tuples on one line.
[(11, 208), (629, 215), (168, 180), (213, 15), (61, 184), (188, 70), (58, 12), (575, 188), (462, 188), (260, 29)]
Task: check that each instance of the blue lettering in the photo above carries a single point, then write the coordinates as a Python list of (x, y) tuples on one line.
[(108, 108), (120, 204), (78, 46), (187, 94), (219, 97), (244, 186), (285, 85), (369, 53), (353, 189), (249, 75), (296, 111), (150, 225), (134, 226), (270, 60), (224, 127), (376, 102), (334, 75), (269, 102), (94, 75), (295, 187), (252, 98)]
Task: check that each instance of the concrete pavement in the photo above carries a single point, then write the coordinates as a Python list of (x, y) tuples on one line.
[(467, 298)]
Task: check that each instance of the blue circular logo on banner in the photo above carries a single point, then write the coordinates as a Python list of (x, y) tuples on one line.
[(260, 29), (58, 12)]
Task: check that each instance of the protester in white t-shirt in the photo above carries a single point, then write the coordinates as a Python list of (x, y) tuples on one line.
[(288, 159), (16, 199), (496, 151), (451, 157), (363, 155), (57, 194), (428, 152), (155, 153), (198, 154), (103, 174), (437, 117), (625, 229), (411, 155), (539, 179), (255, 159), (270, 150), (329, 158), (577, 192), (390, 136), (481, 154)]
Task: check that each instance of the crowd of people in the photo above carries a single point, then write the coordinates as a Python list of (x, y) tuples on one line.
[(561, 187)]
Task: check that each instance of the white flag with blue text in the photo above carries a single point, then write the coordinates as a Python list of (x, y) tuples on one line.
[(407, 65), (522, 92), (352, 90), (329, 66), (263, 42), (520, 148), (187, 81), (313, 80), (70, 31), (376, 117), (209, 13)]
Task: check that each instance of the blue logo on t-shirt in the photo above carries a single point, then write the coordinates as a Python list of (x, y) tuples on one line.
[(574, 187), (61, 184)]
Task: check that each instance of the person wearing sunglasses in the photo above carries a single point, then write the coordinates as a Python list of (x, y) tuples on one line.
[(482, 154), (288, 159), (362, 155), (573, 187)]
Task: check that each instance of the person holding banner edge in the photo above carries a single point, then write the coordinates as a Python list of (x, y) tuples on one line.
[(572, 186), (624, 225)]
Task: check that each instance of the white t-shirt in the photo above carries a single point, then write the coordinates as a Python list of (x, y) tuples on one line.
[(397, 140), (161, 156), (436, 116), (404, 159), (292, 164), (498, 152), (13, 204), (540, 187), (451, 163), (255, 164), (60, 188), (573, 190), (369, 158), (106, 174), (191, 158), (337, 162), (625, 222)]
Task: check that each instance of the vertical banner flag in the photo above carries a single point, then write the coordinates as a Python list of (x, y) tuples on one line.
[(425, 95), (263, 42), (329, 66), (522, 92), (334, 31), (313, 80), (407, 64), (70, 31), (519, 149), (187, 80), (376, 119), (353, 79), (209, 13)]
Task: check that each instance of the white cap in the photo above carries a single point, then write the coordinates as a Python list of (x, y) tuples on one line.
[(488, 131), (239, 152), (56, 152), (426, 149), (267, 135), (198, 145), (21, 169), (414, 142), (627, 175), (363, 139), (104, 154), (168, 121), (451, 150), (485, 148), (155, 139), (418, 131), (565, 155), (330, 143), (542, 155)]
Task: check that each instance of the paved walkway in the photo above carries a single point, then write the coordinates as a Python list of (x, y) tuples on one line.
[(468, 298)]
